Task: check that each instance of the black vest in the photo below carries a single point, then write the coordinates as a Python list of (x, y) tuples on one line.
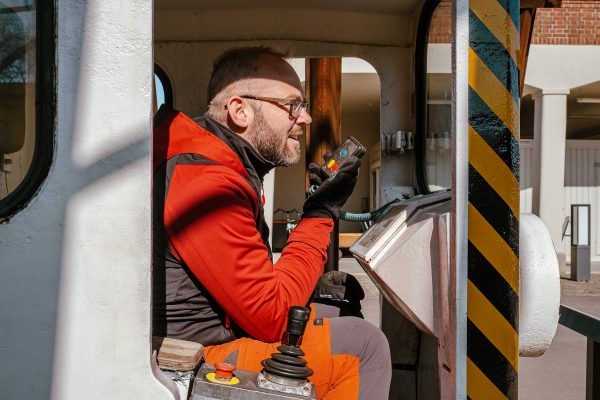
[(183, 308)]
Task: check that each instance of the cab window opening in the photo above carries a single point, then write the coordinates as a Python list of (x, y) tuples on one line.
[(433, 86), (27, 81), (163, 90), (359, 117)]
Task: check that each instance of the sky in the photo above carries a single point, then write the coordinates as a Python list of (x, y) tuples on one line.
[(160, 91)]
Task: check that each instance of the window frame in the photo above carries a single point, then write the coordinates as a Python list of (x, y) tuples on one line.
[(45, 98), (166, 84), (421, 43)]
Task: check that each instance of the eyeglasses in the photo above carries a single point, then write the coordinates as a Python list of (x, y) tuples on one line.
[(296, 106)]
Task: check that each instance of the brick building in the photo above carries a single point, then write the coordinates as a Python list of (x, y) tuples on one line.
[(560, 114), (574, 23)]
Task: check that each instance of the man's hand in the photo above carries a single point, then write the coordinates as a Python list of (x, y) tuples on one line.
[(341, 290), (338, 285), (332, 193)]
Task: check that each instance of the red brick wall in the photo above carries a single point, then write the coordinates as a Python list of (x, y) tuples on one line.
[(440, 30), (576, 22)]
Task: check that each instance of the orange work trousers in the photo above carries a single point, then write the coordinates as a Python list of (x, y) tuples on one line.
[(335, 375)]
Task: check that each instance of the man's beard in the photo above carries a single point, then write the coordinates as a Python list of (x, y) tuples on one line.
[(272, 145)]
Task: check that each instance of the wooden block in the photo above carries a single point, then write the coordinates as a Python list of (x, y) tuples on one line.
[(177, 355), (348, 239)]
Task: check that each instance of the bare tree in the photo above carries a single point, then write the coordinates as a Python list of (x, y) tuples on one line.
[(13, 48)]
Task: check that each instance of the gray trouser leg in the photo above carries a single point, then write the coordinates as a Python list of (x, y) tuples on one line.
[(326, 311), (351, 335)]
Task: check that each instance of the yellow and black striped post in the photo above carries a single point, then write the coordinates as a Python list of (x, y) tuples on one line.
[(493, 249)]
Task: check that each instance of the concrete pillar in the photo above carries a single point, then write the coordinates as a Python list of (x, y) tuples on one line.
[(550, 127)]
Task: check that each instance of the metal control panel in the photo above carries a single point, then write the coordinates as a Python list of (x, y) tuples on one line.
[(244, 387), (405, 253)]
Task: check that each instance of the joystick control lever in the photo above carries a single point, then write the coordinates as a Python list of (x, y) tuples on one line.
[(297, 320), (286, 371)]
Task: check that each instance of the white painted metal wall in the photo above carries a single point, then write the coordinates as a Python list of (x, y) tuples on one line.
[(581, 185), (75, 293), (582, 178)]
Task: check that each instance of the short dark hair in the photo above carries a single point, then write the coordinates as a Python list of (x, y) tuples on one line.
[(236, 64)]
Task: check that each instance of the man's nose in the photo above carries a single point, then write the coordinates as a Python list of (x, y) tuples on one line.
[(304, 118)]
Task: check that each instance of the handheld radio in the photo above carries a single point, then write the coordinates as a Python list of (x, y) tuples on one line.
[(350, 147)]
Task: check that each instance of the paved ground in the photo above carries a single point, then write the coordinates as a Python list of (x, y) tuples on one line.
[(371, 308), (560, 372)]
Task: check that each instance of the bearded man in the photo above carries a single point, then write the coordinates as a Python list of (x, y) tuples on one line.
[(215, 281)]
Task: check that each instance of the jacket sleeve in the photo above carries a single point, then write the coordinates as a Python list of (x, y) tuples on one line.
[(209, 219)]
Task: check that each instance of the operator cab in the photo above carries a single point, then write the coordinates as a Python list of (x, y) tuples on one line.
[(387, 76)]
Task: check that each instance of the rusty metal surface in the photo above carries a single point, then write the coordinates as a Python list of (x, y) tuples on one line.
[(540, 3), (527, 19), (323, 92), (323, 135)]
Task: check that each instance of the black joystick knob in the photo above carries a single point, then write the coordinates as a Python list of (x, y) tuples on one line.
[(297, 320), (286, 365)]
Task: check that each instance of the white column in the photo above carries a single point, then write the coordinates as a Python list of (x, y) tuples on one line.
[(550, 128), (269, 192)]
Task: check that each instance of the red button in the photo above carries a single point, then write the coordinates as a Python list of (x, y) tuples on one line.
[(335, 167), (224, 371)]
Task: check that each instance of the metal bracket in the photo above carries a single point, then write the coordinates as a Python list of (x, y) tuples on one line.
[(305, 390), (565, 226), (6, 163), (398, 142)]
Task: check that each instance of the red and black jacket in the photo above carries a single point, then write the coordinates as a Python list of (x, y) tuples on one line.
[(214, 277)]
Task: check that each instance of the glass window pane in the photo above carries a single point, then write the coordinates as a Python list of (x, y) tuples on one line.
[(439, 99), (163, 91), (575, 226), (17, 91), (584, 221), (160, 92)]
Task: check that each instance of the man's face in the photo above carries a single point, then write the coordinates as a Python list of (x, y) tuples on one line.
[(273, 132), (281, 149)]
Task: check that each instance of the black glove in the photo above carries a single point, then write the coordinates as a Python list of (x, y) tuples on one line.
[(332, 193), (341, 290), (338, 285)]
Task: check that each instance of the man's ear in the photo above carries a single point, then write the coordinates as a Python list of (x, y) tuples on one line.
[(238, 112)]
